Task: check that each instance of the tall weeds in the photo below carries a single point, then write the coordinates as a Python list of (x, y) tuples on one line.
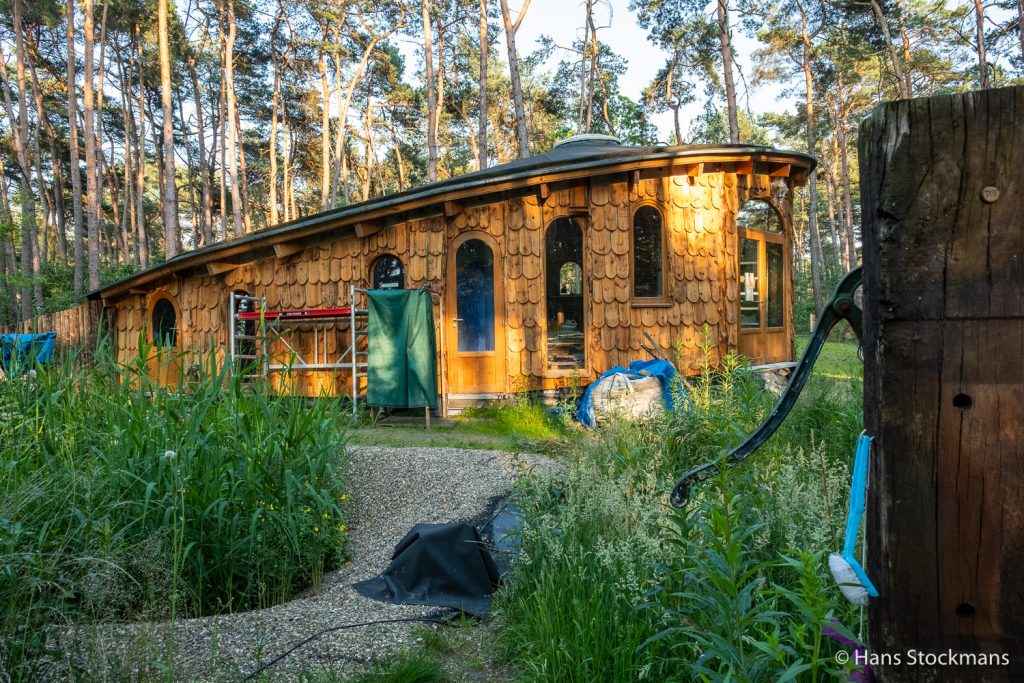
[(124, 499), (615, 586)]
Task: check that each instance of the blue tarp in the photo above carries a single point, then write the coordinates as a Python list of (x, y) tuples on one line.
[(24, 350), (661, 369)]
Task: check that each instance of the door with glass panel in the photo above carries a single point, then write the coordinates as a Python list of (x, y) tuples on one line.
[(763, 289), (475, 317)]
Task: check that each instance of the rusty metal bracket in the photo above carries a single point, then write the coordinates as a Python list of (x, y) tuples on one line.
[(841, 307)]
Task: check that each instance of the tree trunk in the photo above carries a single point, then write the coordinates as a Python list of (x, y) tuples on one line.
[(897, 66), (206, 215), (844, 162), (232, 136), (428, 60), (172, 238), (482, 126), (88, 121), (243, 177), (273, 128), (725, 39), (979, 27), (142, 240), (513, 66), (812, 180), (78, 239), (325, 132)]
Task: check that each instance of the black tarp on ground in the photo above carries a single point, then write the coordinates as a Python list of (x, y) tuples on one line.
[(444, 565)]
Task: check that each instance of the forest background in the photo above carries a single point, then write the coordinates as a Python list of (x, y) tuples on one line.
[(133, 130)]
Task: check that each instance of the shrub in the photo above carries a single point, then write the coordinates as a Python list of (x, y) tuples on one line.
[(122, 498)]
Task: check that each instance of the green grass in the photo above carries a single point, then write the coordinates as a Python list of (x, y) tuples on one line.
[(838, 359), (518, 425), (121, 499)]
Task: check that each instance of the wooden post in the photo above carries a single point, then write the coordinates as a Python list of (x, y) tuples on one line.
[(942, 194)]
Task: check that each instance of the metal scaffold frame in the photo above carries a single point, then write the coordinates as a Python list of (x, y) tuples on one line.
[(270, 327)]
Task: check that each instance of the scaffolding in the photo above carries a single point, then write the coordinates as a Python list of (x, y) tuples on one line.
[(254, 331)]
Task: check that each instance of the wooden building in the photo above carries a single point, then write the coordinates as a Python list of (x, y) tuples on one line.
[(549, 269)]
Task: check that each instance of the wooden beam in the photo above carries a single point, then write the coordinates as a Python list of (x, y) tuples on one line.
[(745, 167), (138, 290), (543, 191), (452, 209), (367, 228), (220, 267), (694, 170), (780, 170), (285, 249)]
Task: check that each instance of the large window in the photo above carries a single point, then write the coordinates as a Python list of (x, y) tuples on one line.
[(388, 273), (563, 272), (648, 254), (164, 322), (759, 215), (474, 296)]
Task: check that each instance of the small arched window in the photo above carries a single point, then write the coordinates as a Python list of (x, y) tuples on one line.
[(648, 254), (387, 273), (164, 322)]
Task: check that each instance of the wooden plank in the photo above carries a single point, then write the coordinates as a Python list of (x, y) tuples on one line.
[(367, 228), (286, 249), (220, 267), (780, 170), (944, 380), (451, 209)]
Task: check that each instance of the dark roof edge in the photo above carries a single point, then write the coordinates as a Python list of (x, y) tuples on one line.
[(521, 170)]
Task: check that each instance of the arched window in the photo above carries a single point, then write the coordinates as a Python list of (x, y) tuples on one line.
[(758, 214), (648, 254), (163, 321), (388, 273), (563, 271)]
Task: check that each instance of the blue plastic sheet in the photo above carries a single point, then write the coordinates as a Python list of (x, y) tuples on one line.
[(661, 369), (22, 351)]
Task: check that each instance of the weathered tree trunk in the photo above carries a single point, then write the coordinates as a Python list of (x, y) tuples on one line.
[(428, 61), (725, 41), (78, 238), (172, 237), (944, 382), (275, 96), (88, 120), (243, 177), (481, 135), (511, 27)]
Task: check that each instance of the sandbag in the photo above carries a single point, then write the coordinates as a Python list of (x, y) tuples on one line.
[(622, 396)]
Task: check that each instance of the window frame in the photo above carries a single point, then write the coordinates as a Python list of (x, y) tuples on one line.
[(581, 224), (373, 267), (155, 298), (663, 299)]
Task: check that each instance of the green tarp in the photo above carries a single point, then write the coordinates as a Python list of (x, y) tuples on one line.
[(402, 358)]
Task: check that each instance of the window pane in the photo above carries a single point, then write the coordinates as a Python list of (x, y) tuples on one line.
[(758, 214), (750, 301), (165, 323), (647, 259), (775, 302), (563, 259), (474, 296), (388, 273)]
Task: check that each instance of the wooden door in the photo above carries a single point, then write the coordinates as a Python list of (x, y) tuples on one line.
[(764, 293), (475, 313)]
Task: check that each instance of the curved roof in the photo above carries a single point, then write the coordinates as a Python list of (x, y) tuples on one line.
[(576, 157)]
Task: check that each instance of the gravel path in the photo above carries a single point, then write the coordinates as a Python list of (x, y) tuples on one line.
[(392, 489)]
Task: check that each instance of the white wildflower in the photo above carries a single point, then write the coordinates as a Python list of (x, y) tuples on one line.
[(170, 455)]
